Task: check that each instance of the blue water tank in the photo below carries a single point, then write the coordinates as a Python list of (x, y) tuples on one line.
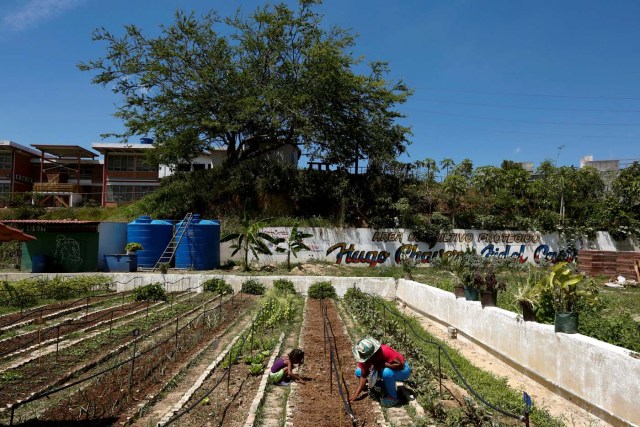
[(153, 235), (199, 248)]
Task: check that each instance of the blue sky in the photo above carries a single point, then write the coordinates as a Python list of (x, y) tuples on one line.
[(493, 79)]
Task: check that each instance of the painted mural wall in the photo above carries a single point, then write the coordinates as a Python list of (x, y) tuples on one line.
[(384, 247)]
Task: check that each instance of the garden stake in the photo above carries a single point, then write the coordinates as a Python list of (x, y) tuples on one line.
[(204, 314), (440, 371), (220, 305), (526, 418), (324, 331), (147, 315), (122, 298), (384, 319), (39, 347), (111, 322), (57, 341), (232, 298), (176, 351), (133, 364), (252, 339), (229, 371), (86, 309), (11, 421), (331, 372)]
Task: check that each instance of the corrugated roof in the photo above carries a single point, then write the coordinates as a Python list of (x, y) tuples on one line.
[(48, 221)]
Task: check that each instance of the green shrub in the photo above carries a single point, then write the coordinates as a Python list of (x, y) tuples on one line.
[(253, 287), (284, 286), (217, 285), (151, 292), (322, 290)]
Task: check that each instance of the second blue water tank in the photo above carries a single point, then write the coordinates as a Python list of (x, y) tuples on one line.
[(153, 235), (199, 248)]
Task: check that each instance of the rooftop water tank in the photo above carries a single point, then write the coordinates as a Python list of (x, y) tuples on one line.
[(153, 235), (199, 248)]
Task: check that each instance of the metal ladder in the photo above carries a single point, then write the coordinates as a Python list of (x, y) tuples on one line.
[(178, 234)]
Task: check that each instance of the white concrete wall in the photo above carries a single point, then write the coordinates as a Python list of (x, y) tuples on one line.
[(603, 375), (365, 247)]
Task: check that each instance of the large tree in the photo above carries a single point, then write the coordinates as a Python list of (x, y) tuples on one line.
[(252, 84)]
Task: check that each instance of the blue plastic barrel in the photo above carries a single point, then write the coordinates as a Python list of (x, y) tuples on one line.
[(38, 263), (199, 248), (153, 235)]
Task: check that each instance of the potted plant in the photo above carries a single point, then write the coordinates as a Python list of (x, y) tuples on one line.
[(488, 286), (132, 247), (470, 289), (528, 294), (457, 267), (570, 292)]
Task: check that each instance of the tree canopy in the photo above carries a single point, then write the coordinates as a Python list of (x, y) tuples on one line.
[(251, 84)]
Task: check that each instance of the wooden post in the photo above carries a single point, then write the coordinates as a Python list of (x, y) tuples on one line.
[(133, 364), (111, 322), (331, 372), (57, 341), (176, 351), (440, 370), (86, 310), (229, 370)]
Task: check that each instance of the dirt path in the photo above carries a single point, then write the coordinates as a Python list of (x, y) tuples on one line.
[(274, 407), (571, 414), (315, 405)]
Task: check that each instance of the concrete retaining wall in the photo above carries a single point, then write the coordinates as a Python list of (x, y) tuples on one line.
[(601, 375)]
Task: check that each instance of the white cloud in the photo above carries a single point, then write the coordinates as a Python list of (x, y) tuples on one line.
[(518, 149), (34, 12)]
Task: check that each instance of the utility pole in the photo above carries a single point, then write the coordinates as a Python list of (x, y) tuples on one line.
[(558, 156)]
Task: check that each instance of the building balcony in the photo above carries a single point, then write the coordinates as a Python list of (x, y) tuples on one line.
[(55, 188)]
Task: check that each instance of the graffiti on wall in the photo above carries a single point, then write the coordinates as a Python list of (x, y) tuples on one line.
[(349, 254), (67, 251), (373, 248)]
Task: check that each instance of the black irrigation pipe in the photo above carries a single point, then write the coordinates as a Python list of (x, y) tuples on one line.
[(39, 396), (524, 418), (71, 323), (333, 355), (227, 371), (45, 308)]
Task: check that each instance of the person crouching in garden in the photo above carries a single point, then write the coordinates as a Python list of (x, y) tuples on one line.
[(282, 368), (389, 365)]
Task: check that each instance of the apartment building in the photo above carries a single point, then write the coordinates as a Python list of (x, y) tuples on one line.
[(127, 175), (71, 175), (16, 172)]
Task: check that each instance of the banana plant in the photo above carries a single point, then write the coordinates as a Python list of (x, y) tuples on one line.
[(251, 239), (294, 244)]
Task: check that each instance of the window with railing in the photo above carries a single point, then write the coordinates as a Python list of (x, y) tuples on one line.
[(120, 163), (6, 160), (144, 165), (128, 193)]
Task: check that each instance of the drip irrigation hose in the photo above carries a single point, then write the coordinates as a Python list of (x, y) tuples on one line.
[(243, 341), (453, 365), (39, 396), (333, 356)]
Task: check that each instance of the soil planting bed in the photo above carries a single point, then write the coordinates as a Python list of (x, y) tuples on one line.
[(51, 332), (222, 408), (106, 398), (316, 406), (47, 371)]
